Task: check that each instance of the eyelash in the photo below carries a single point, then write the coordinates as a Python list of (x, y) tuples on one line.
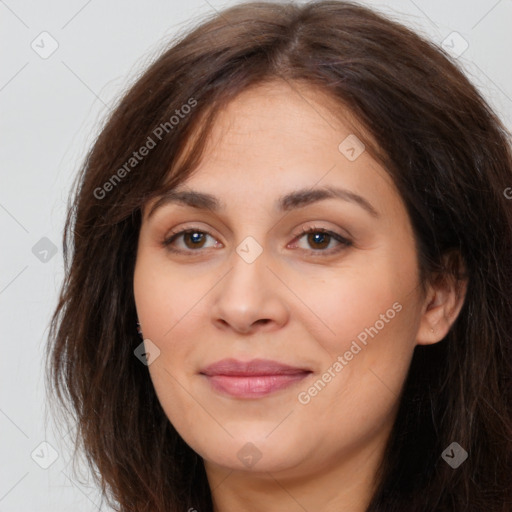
[(304, 231)]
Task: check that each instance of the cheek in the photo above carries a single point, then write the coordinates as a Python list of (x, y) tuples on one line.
[(374, 323), (356, 303), (163, 297), (369, 317), (165, 309)]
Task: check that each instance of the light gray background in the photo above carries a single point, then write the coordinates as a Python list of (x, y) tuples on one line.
[(51, 109)]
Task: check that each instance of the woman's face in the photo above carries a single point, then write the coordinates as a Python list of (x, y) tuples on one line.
[(335, 319)]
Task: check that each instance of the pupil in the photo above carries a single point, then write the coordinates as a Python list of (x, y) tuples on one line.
[(322, 237), (195, 237)]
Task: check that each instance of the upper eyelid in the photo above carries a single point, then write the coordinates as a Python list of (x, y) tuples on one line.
[(299, 231), (168, 239)]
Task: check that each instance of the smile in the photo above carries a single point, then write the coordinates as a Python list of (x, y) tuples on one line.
[(252, 379)]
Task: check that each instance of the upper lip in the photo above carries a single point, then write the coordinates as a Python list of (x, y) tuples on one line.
[(234, 367)]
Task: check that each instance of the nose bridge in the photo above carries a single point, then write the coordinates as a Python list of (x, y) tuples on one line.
[(248, 269), (247, 294)]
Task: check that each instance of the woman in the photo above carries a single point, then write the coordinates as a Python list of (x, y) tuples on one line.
[(289, 278)]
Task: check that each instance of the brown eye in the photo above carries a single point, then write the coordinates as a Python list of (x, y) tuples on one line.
[(319, 239), (193, 239)]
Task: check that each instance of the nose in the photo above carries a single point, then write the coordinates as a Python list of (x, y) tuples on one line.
[(249, 298)]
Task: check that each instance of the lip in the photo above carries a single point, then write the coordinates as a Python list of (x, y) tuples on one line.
[(252, 379)]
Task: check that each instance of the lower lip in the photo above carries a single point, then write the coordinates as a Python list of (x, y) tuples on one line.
[(253, 386)]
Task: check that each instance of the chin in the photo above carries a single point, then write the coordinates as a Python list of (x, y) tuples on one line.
[(255, 454)]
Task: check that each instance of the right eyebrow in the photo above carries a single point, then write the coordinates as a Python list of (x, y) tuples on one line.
[(191, 198)]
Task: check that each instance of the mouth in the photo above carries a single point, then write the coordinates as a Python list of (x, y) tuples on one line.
[(252, 379)]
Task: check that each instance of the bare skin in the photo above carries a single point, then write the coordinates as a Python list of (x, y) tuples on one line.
[(303, 301)]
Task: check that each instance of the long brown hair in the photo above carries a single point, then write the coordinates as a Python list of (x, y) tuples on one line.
[(450, 158)]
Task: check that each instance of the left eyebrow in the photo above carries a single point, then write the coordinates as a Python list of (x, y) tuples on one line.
[(306, 196), (293, 200)]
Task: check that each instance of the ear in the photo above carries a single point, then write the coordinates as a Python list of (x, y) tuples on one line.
[(445, 296)]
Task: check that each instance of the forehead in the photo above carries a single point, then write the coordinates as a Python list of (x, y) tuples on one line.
[(277, 137), (281, 110), (276, 127), (284, 110)]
